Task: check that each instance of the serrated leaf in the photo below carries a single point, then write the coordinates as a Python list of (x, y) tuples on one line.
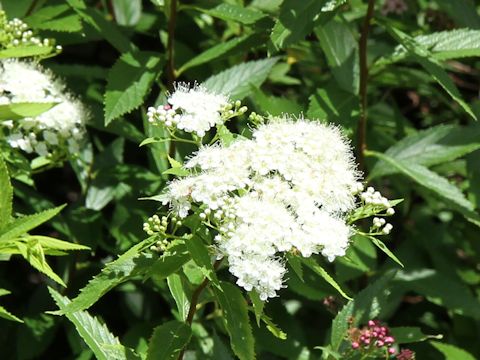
[(449, 193), (9, 316), (451, 352), (424, 57), (227, 48), (6, 196), (131, 263), (106, 29), (129, 80), (436, 145), (16, 111), (232, 12), (96, 335), (22, 225), (55, 18), (238, 80), (312, 264), (168, 340), (296, 20), (366, 305), (235, 314)]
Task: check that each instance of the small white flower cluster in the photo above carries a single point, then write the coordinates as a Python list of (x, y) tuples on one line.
[(374, 199), (15, 33), (287, 188), (192, 109), (58, 130)]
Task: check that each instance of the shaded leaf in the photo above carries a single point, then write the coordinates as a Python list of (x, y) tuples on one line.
[(168, 340)]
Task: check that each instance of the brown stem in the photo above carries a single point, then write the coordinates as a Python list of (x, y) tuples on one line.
[(362, 124), (194, 301), (171, 76), (32, 7)]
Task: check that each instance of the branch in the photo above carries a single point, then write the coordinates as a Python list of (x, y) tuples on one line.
[(362, 124), (171, 76), (194, 301)]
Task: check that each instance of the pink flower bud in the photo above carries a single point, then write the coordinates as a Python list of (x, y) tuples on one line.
[(391, 350), (389, 340), (371, 323), (355, 345), (380, 343)]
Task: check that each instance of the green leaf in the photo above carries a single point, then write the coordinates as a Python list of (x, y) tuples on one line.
[(50, 243), (33, 252), (340, 46), (436, 145), (424, 57), (443, 289), (238, 80), (312, 264), (9, 316), (378, 243), (452, 44), (225, 136), (258, 305), (178, 290), (127, 12), (463, 12), (16, 111), (55, 18), (407, 335), (227, 48), (106, 29), (96, 335), (6, 196), (366, 305), (200, 255), (297, 19), (235, 314), (131, 263), (168, 340), (232, 12), (26, 51), (129, 81), (22, 225), (449, 193), (452, 352)]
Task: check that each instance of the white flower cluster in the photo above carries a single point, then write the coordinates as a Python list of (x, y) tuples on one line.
[(373, 198), (286, 188), (57, 130), (15, 33), (191, 109)]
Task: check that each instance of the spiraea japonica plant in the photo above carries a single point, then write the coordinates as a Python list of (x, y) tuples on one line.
[(247, 179)]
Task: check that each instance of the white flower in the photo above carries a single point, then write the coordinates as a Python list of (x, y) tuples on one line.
[(58, 129), (191, 109), (287, 187)]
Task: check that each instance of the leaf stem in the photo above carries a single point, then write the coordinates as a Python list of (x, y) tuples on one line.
[(362, 124), (194, 301)]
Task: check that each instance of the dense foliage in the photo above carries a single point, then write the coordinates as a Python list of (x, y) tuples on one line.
[(160, 171)]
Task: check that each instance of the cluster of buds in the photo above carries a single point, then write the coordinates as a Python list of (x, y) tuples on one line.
[(372, 338), (156, 225), (164, 115), (233, 109), (372, 197), (15, 33), (380, 225), (256, 119)]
